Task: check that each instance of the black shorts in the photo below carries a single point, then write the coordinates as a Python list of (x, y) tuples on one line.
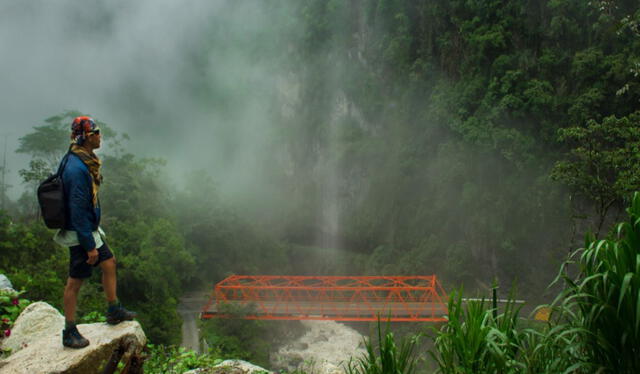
[(78, 267)]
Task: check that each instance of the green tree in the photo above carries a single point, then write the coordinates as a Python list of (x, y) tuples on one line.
[(48, 143), (603, 165)]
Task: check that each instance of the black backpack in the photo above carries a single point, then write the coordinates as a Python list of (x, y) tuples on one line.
[(51, 198)]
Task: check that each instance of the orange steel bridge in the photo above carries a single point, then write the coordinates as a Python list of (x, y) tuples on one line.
[(338, 298)]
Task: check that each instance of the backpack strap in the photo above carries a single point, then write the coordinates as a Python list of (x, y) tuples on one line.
[(64, 162)]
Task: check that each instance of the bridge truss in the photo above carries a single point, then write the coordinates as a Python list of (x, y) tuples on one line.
[(338, 298)]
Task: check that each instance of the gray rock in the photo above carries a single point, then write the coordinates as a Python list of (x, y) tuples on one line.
[(38, 320), (300, 346), (295, 361), (231, 367), (5, 282), (43, 351)]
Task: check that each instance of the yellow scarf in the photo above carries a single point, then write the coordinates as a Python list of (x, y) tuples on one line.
[(93, 163)]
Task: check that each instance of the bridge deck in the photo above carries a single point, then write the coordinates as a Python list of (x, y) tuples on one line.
[(337, 311)]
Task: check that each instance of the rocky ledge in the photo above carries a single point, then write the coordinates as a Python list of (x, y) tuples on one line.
[(36, 345)]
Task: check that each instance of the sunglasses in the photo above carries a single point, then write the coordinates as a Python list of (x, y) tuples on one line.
[(94, 132)]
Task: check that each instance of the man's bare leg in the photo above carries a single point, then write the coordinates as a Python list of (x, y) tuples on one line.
[(70, 335), (116, 313), (109, 279), (70, 299)]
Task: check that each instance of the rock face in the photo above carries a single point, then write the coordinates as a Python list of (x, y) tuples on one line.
[(231, 367), (41, 350), (37, 321), (325, 348)]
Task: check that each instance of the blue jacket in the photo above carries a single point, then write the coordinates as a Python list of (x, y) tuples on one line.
[(81, 216)]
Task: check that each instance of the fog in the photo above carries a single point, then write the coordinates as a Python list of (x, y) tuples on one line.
[(303, 113), (190, 82)]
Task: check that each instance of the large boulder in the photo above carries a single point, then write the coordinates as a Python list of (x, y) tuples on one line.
[(41, 351), (231, 367), (36, 321)]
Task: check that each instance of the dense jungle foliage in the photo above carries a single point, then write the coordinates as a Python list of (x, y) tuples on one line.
[(472, 139), (458, 120)]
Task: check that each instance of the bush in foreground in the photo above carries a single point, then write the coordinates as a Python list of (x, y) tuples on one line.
[(174, 360)]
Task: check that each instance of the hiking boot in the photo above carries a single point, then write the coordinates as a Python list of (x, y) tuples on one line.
[(71, 338), (117, 314)]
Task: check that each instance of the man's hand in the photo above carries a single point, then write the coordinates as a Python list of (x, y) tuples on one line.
[(93, 256)]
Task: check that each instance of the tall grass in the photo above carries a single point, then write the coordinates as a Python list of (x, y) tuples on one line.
[(551, 348), (605, 298), (473, 341), (388, 358)]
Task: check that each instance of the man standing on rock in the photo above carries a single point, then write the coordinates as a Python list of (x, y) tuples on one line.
[(82, 234)]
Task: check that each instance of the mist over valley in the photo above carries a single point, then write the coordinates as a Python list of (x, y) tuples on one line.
[(476, 141)]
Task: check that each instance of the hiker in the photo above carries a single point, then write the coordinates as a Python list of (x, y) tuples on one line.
[(82, 233)]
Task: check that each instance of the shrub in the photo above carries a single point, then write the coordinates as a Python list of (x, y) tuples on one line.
[(11, 305), (173, 360)]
